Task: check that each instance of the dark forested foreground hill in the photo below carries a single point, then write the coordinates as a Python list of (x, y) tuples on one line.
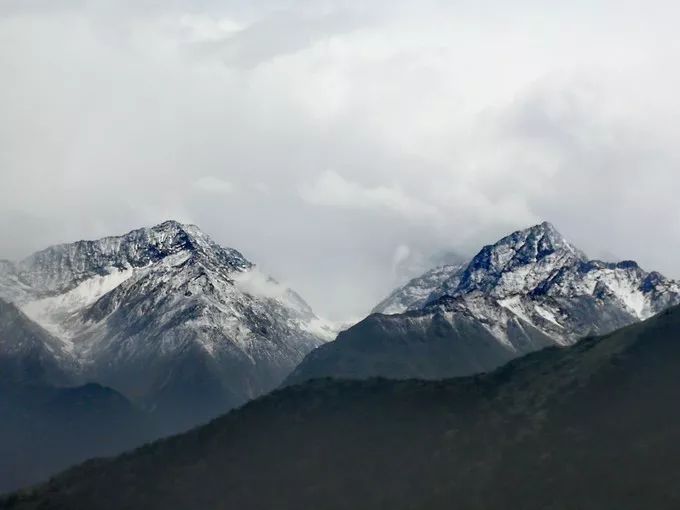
[(44, 429), (593, 426)]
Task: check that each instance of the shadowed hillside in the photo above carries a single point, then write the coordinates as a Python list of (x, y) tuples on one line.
[(46, 424), (592, 426)]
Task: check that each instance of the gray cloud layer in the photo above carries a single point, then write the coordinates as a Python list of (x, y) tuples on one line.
[(329, 139)]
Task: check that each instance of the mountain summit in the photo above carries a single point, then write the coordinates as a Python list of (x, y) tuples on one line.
[(529, 290), (518, 262), (62, 267), (541, 246), (182, 326)]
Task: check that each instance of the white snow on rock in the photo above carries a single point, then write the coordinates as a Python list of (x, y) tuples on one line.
[(54, 312)]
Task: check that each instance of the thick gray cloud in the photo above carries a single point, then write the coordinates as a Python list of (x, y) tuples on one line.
[(335, 142)]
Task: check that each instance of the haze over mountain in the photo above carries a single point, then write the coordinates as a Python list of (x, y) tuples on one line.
[(374, 156), (530, 290), (593, 425), (109, 343), (388, 123), (185, 328), (28, 353), (45, 426)]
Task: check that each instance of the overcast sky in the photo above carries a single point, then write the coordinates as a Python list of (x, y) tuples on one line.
[(337, 142)]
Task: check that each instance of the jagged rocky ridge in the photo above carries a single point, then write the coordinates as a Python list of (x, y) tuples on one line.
[(589, 426), (182, 326), (530, 290)]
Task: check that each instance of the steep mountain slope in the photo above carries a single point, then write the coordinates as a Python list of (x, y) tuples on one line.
[(530, 290), (45, 429), (45, 426), (177, 323), (589, 426)]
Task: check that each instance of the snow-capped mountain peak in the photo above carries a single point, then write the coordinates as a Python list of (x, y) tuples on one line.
[(163, 311), (62, 267), (549, 284), (515, 264), (519, 262), (530, 290)]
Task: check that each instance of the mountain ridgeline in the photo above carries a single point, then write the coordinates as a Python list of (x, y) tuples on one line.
[(530, 290), (107, 344), (589, 426)]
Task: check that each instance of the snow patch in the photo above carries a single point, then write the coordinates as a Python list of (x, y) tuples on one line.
[(547, 315), (630, 295), (55, 311), (514, 305)]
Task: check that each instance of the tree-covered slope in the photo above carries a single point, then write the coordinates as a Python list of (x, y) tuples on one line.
[(592, 426), (45, 429)]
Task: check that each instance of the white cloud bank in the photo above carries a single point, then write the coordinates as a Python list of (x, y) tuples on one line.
[(332, 190), (215, 185), (443, 124)]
